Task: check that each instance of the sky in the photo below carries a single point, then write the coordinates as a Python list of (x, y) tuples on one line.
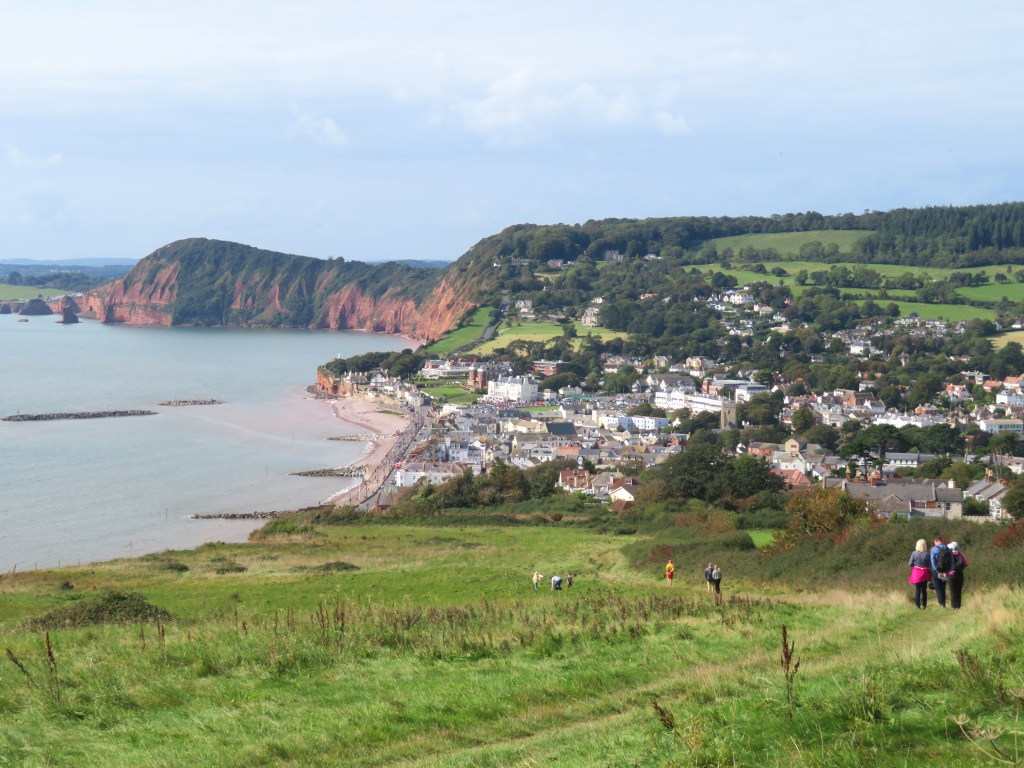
[(392, 129)]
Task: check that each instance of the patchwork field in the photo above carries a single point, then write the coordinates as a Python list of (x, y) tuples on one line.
[(426, 646)]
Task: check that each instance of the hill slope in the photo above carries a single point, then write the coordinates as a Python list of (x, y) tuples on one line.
[(212, 282)]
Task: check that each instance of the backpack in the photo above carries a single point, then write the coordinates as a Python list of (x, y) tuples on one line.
[(944, 560), (958, 563)]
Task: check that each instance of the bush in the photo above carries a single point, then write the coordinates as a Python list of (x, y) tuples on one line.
[(1011, 536), (171, 565), (738, 541), (111, 608)]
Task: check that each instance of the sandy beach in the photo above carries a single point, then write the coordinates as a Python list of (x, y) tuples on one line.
[(366, 417)]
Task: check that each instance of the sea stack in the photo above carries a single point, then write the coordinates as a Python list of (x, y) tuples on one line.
[(35, 307), (5, 308), (68, 317)]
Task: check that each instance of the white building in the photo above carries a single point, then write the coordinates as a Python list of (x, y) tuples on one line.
[(435, 473), (512, 389), (675, 399), (994, 426), (1010, 398)]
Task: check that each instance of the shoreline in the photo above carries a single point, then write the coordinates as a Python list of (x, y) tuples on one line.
[(363, 414)]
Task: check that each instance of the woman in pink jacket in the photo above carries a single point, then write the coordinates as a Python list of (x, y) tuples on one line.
[(920, 573)]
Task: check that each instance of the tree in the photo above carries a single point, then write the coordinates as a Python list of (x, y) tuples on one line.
[(890, 396), (803, 419), (689, 474), (1005, 443), (761, 409), (823, 435), (1013, 501), (816, 512), (925, 389), (765, 376), (749, 476)]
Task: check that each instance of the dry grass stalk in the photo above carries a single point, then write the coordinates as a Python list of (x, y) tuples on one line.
[(789, 669)]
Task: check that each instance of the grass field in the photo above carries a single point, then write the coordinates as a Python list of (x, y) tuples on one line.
[(460, 337), (788, 243), (419, 646), (1003, 339), (526, 330), (453, 394), (994, 292), (952, 312), (21, 292)]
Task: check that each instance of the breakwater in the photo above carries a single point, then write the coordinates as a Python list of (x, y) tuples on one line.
[(78, 415), (357, 471), (182, 403), (239, 516)]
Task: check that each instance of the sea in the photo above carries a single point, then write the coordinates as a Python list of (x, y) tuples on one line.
[(88, 490)]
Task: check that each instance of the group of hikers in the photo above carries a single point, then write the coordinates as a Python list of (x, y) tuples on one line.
[(556, 581), (712, 575), (938, 568)]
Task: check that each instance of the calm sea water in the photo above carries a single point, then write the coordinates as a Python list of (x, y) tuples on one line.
[(80, 491)]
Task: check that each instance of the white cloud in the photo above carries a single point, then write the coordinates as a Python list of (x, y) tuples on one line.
[(517, 71), (322, 130), (20, 160), (671, 125)]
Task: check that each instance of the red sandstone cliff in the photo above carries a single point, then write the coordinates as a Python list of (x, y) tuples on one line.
[(278, 289)]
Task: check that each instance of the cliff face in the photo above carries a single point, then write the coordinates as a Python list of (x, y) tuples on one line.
[(204, 282)]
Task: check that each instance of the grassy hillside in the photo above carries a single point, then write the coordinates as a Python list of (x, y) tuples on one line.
[(788, 243), (539, 330), (466, 334), (411, 645)]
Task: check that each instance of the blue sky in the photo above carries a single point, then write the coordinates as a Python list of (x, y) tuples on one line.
[(411, 130)]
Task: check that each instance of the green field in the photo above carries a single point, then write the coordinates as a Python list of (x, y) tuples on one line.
[(528, 330), (994, 292), (427, 646), (761, 538), (452, 394), (889, 270), (1003, 339), (952, 312), (460, 337), (788, 243), (22, 292)]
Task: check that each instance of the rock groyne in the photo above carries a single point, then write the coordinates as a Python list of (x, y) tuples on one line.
[(357, 471), (239, 516), (78, 415), (182, 403)]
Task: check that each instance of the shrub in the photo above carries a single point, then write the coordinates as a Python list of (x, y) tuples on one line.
[(1011, 536), (111, 608), (738, 541)]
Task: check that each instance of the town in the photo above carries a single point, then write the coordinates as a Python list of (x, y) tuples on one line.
[(970, 422)]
